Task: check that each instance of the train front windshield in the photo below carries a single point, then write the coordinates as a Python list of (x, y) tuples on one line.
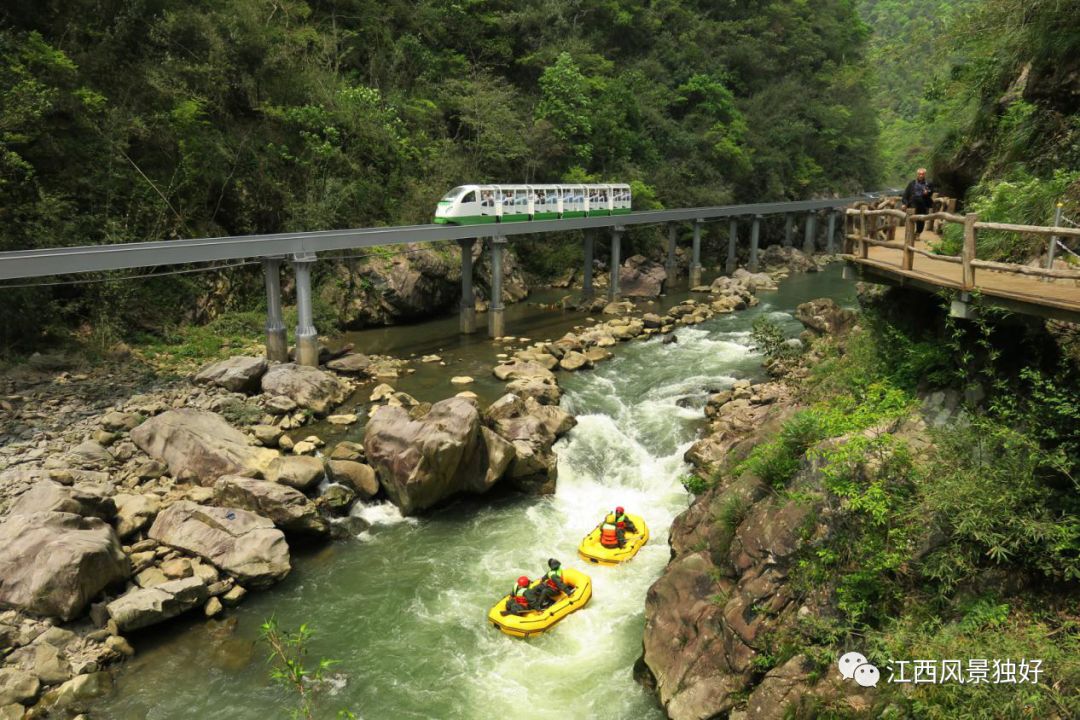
[(454, 194)]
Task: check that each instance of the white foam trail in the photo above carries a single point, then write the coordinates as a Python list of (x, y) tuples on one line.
[(380, 513)]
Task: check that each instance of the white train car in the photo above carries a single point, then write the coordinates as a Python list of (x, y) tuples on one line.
[(480, 204)]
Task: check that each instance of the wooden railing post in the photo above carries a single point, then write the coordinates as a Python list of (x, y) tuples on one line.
[(862, 233), (967, 254), (908, 260)]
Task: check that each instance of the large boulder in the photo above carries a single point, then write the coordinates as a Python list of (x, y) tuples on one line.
[(356, 475), (352, 364), (89, 455), (17, 686), (754, 282), (557, 421), (289, 509), (300, 472), (142, 607), (200, 446), (546, 392), (54, 563), (243, 544), (134, 512), (237, 374), (308, 387), (86, 499), (421, 462), (692, 678), (641, 277), (523, 370), (534, 468), (824, 317)]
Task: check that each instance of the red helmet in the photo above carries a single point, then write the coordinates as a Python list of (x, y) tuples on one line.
[(619, 510), (523, 581)]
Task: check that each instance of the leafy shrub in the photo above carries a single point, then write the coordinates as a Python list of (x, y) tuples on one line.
[(770, 339), (1020, 198)]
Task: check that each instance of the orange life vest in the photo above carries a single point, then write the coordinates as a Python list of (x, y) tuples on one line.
[(608, 535)]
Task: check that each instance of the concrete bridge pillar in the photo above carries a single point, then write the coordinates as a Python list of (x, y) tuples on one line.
[(277, 345), (733, 240), (468, 302), (789, 229), (672, 265), (830, 234), (811, 232), (307, 339), (496, 318), (616, 251), (586, 282), (695, 263), (755, 239)]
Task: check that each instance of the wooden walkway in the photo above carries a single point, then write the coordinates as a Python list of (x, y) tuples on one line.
[(1035, 291)]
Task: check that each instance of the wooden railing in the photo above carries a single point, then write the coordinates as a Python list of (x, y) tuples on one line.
[(876, 227)]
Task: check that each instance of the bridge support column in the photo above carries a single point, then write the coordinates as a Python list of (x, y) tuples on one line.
[(961, 307), (755, 238), (672, 264), (733, 240), (496, 318), (830, 234), (277, 345), (586, 282), (808, 245), (467, 308), (616, 251), (695, 262), (307, 339), (789, 229)]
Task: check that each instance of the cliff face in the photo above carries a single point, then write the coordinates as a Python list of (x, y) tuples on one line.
[(727, 623), (1026, 117)]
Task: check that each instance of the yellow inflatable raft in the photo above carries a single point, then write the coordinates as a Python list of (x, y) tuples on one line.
[(590, 548), (535, 622)]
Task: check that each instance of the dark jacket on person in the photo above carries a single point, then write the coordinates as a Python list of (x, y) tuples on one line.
[(914, 198)]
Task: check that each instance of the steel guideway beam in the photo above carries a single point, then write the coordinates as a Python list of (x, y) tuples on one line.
[(95, 258)]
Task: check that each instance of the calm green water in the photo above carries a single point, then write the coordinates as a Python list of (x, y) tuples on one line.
[(403, 606)]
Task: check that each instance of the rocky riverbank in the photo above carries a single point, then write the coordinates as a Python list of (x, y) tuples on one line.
[(727, 623), (124, 509)]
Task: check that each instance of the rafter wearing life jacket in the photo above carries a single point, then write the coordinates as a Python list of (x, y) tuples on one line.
[(609, 532)]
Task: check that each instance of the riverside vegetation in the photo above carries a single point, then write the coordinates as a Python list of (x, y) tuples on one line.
[(917, 482), (146, 121)]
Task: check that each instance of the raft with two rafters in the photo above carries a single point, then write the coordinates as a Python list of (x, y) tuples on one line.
[(534, 622), (591, 550)]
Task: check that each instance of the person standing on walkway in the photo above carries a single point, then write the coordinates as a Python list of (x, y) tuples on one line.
[(919, 195)]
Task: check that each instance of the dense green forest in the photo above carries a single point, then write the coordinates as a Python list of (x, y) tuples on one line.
[(125, 120), (128, 120), (987, 95)]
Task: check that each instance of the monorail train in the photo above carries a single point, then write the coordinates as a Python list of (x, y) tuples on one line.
[(477, 204)]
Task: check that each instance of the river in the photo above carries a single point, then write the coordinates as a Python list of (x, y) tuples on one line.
[(402, 607)]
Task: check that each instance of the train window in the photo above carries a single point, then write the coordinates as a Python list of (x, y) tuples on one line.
[(471, 197), (454, 194)]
